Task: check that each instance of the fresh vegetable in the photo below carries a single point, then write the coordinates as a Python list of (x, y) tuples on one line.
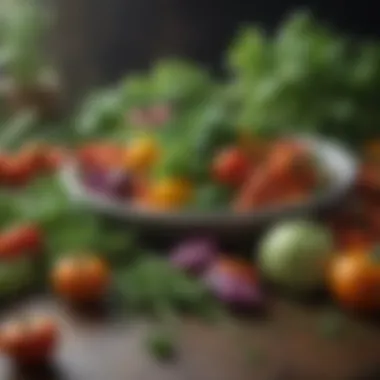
[(305, 79), (116, 184), (19, 240), (354, 279), (194, 255), (161, 346), (295, 255), (29, 341), (82, 278), (153, 285), (234, 282), (231, 166), (141, 154), (169, 193), (289, 174)]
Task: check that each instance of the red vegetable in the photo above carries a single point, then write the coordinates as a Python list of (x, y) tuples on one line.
[(194, 255), (234, 282), (30, 341), (231, 166), (20, 240)]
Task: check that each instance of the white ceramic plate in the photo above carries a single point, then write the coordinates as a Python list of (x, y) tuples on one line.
[(339, 163)]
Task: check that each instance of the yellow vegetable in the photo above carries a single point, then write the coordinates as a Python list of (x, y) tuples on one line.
[(141, 154), (169, 193)]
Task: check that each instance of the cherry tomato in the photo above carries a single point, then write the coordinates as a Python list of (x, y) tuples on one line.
[(20, 240), (29, 341), (81, 279), (18, 171), (4, 163), (231, 166), (141, 154)]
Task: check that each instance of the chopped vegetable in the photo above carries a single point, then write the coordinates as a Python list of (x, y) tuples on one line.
[(115, 184), (234, 282), (169, 193), (231, 166), (141, 154), (194, 255)]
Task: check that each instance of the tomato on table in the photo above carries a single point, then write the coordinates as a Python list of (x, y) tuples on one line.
[(81, 279), (29, 341), (354, 279), (231, 166)]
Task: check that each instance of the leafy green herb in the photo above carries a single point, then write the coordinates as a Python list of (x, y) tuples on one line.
[(306, 79), (161, 345)]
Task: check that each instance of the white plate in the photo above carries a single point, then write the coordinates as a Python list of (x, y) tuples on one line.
[(339, 163)]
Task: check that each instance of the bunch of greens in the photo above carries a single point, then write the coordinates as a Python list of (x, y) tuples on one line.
[(151, 285), (181, 85), (305, 79)]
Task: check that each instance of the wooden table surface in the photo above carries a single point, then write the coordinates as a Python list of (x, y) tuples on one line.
[(287, 342)]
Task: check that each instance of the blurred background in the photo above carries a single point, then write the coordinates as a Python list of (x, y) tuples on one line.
[(189, 190)]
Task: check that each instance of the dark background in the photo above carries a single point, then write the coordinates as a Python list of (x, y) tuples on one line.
[(99, 40)]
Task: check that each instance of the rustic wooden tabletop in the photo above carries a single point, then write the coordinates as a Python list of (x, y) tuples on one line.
[(285, 344)]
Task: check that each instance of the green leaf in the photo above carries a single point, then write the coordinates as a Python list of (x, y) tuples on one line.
[(161, 345)]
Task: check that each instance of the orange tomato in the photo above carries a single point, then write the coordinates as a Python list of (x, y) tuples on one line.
[(141, 154), (81, 279), (169, 193), (354, 280), (29, 341), (231, 166)]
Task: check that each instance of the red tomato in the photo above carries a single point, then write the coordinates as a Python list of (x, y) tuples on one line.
[(81, 279), (4, 163), (20, 240), (29, 341), (231, 166), (18, 171)]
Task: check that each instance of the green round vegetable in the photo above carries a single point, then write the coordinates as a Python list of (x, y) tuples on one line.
[(294, 255)]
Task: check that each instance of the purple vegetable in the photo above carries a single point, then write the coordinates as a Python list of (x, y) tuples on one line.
[(113, 183), (194, 255), (235, 283)]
